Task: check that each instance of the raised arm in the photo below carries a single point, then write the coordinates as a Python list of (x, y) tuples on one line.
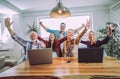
[(104, 41), (83, 42), (78, 29), (49, 30), (64, 48), (110, 29), (41, 39), (13, 35), (62, 39), (8, 24), (44, 27), (107, 38), (86, 27)]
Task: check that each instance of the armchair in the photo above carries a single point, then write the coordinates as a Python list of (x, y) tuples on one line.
[(6, 63)]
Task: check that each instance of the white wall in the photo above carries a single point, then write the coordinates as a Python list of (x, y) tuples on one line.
[(28, 21), (115, 15), (18, 28), (5, 36)]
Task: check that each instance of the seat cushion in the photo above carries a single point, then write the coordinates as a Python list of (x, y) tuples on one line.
[(10, 62), (2, 61), (4, 68)]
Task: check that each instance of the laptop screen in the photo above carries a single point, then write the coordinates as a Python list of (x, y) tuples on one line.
[(90, 55), (40, 56)]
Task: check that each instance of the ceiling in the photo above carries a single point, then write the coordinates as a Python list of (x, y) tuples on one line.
[(14, 6)]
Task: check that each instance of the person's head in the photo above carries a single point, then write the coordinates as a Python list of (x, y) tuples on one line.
[(52, 37), (70, 33), (33, 36), (62, 27), (91, 36)]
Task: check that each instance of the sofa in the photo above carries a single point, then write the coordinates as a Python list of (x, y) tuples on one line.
[(6, 63)]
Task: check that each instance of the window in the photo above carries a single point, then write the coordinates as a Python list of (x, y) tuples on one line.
[(5, 38), (0, 30), (71, 23)]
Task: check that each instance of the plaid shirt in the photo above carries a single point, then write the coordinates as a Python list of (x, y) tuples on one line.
[(56, 45), (26, 46)]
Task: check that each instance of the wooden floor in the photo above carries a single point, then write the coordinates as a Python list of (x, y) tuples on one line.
[(59, 68)]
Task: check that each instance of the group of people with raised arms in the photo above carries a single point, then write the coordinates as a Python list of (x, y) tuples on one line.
[(56, 38)]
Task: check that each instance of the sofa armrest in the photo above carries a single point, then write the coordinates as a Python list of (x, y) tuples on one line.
[(10, 62), (2, 61)]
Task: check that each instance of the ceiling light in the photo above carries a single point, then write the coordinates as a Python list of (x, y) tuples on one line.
[(60, 11)]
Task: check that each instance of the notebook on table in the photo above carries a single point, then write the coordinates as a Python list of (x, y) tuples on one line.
[(40, 56), (90, 55)]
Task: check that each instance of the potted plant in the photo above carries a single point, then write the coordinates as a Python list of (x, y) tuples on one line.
[(112, 48), (33, 27)]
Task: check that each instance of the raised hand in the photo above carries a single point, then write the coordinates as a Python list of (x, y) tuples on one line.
[(78, 29), (88, 24), (7, 22), (41, 23), (110, 28)]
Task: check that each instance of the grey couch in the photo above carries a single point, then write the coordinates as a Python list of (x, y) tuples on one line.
[(6, 63)]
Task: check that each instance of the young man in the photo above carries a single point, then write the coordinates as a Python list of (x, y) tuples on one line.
[(59, 33)]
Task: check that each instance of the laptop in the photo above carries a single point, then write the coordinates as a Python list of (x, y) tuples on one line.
[(90, 55), (40, 56)]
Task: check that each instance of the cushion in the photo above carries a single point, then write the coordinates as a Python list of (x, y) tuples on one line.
[(2, 61), (10, 62), (4, 68)]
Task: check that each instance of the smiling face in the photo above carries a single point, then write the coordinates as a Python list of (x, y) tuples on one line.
[(91, 36), (33, 36), (70, 33), (62, 27), (52, 37)]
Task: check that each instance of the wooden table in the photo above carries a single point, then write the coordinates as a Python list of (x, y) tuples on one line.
[(59, 67)]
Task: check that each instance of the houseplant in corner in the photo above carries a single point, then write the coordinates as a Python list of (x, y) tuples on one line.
[(112, 48), (33, 27)]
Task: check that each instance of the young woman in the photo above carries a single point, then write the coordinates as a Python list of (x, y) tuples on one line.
[(92, 42), (70, 43), (54, 44), (97, 43)]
